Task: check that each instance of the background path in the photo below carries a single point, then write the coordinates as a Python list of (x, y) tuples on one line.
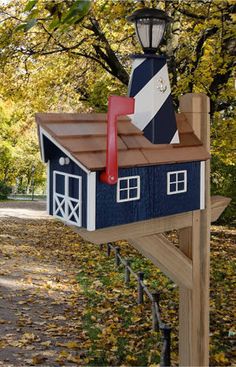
[(23, 209), (40, 300)]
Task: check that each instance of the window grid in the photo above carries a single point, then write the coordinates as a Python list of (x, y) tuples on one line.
[(128, 189), (176, 182)]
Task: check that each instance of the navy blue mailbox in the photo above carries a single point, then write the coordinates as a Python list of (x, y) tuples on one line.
[(106, 171)]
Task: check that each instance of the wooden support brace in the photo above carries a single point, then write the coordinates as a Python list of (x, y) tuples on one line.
[(176, 265)]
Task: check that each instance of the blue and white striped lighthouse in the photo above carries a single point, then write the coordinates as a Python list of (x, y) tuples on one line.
[(149, 82)]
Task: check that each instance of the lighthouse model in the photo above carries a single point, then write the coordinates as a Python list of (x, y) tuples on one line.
[(149, 82)]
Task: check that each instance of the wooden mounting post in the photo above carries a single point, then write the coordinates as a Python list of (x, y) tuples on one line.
[(188, 265), (195, 243)]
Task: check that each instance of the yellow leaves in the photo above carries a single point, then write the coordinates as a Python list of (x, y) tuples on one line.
[(153, 353), (77, 359), (46, 343), (62, 355), (106, 326), (26, 341), (74, 359), (233, 17), (114, 348), (3, 344), (22, 302), (220, 358), (136, 318), (69, 357), (97, 284), (69, 345), (38, 359), (29, 279), (131, 358), (107, 331), (28, 338), (60, 317)]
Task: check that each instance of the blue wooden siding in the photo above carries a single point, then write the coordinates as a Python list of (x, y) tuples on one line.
[(154, 201), (53, 154)]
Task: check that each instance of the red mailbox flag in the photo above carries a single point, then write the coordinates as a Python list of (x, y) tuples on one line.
[(117, 106)]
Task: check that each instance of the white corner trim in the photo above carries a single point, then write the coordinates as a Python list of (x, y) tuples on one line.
[(202, 185), (48, 187), (175, 139), (127, 189), (41, 145), (176, 181), (91, 201), (64, 150), (53, 193)]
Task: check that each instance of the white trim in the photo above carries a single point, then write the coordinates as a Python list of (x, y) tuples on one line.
[(53, 193), (48, 186), (41, 145), (64, 150), (175, 139), (127, 189), (67, 200), (202, 185), (169, 183), (91, 201)]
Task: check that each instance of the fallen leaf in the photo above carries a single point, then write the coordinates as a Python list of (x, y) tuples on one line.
[(46, 343), (220, 358), (69, 345), (38, 359)]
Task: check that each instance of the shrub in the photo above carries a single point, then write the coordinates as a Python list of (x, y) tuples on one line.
[(4, 190)]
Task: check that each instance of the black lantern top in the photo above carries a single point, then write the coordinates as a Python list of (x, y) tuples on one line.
[(150, 26)]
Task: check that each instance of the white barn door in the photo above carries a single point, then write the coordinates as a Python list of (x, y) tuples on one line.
[(67, 197)]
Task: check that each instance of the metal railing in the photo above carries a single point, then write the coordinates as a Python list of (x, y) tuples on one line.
[(157, 324)]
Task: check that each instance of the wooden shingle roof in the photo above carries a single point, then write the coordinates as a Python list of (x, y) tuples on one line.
[(84, 137)]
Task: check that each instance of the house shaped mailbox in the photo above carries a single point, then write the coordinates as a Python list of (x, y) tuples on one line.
[(154, 180)]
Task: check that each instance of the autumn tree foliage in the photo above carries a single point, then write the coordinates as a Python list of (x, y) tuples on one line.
[(70, 55)]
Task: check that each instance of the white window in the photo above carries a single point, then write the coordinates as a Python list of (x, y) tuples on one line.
[(176, 182), (128, 189)]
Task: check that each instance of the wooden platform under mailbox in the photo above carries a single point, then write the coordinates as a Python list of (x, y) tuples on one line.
[(152, 226)]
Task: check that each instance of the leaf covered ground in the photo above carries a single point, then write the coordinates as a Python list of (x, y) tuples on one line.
[(63, 302)]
